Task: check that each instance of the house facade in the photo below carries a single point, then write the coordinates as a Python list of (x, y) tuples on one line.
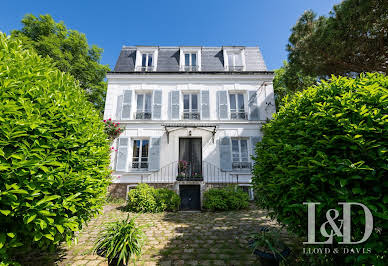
[(191, 117)]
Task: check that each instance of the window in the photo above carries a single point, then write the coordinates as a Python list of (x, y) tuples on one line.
[(240, 157), (237, 107), (140, 154), (190, 61), (235, 61), (146, 62), (190, 106), (143, 107)]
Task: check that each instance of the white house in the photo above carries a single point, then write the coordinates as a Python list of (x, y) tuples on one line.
[(191, 115)]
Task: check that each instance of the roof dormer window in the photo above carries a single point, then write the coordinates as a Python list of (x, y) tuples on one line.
[(190, 59), (234, 59), (146, 58)]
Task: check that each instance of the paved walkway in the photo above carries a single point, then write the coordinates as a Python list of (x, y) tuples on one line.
[(183, 238)]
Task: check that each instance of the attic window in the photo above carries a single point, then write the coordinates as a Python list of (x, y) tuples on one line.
[(234, 59), (190, 59), (146, 58)]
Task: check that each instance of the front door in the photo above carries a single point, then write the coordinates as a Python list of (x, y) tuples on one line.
[(190, 197), (190, 151)]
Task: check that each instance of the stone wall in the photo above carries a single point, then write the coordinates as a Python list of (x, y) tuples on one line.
[(119, 190)]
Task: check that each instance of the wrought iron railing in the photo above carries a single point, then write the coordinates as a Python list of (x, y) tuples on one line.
[(211, 174), (235, 68), (242, 166), (143, 115), (235, 115), (139, 164), (193, 115), (145, 68), (190, 68)]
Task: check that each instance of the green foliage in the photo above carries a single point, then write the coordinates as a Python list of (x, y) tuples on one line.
[(225, 199), (145, 198), (289, 80), (353, 39), (328, 144), (120, 240), (54, 154), (167, 200), (69, 50)]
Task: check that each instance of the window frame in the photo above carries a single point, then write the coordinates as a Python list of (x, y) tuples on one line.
[(147, 50), (191, 114), (235, 51), (143, 113), (182, 60), (140, 157), (237, 113), (240, 157)]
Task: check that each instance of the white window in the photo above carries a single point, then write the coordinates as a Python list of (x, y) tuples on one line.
[(190, 106), (146, 61), (190, 59), (240, 156), (140, 154), (237, 107), (143, 106), (235, 61)]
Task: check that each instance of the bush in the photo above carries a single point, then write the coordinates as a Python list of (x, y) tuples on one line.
[(119, 241), (328, 144), (225, 199), (144, 198), (167, 200), (54, 154)]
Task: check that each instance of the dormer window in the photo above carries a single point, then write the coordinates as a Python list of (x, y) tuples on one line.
[(190, 59), (146, 58), (234, 59)]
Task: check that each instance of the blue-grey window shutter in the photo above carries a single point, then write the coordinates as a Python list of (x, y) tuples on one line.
[(252, 104), (254, 141), (157, 107), (222, 103), (122, 154), (154, 155), (119, 107), (225, 154), (205, 105), (127, 100), (175, 105)]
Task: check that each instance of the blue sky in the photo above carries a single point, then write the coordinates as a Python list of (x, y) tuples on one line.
[(112, 24)]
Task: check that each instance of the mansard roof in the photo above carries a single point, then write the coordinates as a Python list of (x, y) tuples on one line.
[(212, 58)]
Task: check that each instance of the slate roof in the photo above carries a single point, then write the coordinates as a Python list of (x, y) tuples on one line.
[(168, 59)]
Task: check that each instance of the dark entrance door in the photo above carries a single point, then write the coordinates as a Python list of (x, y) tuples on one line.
[(190, 151), (190, 197)]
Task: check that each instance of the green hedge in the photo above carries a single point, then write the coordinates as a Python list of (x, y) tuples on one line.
[(225, 199), (328, 144), (54, 154), (145, 198)]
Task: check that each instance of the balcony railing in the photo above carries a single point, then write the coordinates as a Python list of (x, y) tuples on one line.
[(235, 68), (241, 166), (143, 115), (139, 164), (190, 68), (238, 115), (195, 115), (145, 68)]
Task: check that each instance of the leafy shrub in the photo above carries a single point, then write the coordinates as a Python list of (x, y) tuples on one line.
[(54, 154), (167, 200), (120, 240), (145, 198), (328, 144), (224, 199)]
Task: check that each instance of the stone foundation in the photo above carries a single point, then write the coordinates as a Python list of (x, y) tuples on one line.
[(119, 190)]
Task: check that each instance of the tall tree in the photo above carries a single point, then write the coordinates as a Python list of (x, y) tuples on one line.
[(352, 40), (70, 51), (289, 80)]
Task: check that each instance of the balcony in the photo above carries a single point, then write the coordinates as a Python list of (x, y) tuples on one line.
[(241, 166), (235, 68), (234, 115), (190, 68), (143, 115), (145, 68), (195, 115)]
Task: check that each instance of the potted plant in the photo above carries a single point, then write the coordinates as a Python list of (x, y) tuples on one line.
[(269, 247), (120, 241), (197, 177), (113, 130), (182, 169)]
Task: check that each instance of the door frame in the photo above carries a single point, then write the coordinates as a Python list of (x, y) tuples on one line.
[(179, 149)]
